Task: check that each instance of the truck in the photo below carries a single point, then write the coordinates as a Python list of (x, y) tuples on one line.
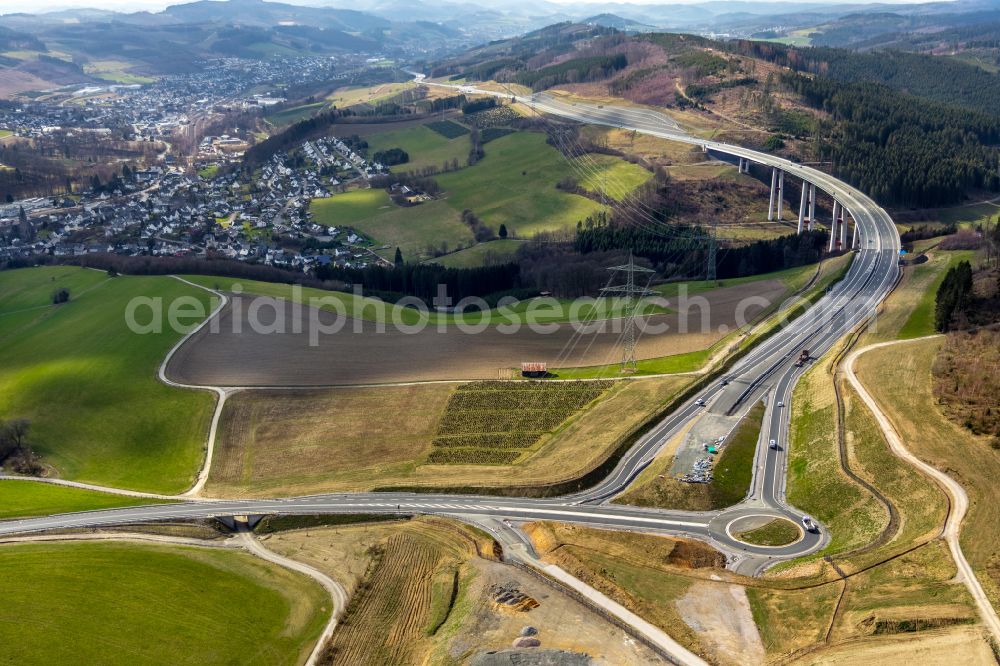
[(803, 357)]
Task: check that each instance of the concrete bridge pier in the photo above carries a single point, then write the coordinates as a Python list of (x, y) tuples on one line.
[(802, 205), (774, 188), (854, 241), (781, 192), (833, 225), (843, 230), (812, 206)]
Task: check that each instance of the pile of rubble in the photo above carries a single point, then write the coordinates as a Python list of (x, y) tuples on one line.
[(508, 595), (700, 473)]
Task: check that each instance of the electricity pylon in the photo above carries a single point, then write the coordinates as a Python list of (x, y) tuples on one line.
[(712, 247), (628, 290)]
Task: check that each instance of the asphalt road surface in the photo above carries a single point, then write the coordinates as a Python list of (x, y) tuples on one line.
[(768, 372)]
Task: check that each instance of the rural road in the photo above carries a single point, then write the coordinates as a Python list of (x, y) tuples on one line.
[(337, 592)]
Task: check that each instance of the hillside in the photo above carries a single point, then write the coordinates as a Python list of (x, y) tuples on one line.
[(909, 129), (181, 36)]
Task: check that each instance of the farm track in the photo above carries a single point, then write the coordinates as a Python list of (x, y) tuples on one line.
[(337, 593), (959, 500)]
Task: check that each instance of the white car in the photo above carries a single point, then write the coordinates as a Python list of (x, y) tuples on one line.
[(809, 524), (699, 402), (780, 404), (774, 444)]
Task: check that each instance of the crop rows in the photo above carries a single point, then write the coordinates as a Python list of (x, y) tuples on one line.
[(491, 423), (455, 456), (500, 396), (498, 116), (387, 615), (491, 440), (491, 133), (448, 129), (525, 420)]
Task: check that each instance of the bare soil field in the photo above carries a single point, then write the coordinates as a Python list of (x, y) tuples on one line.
[(721, 616), (310, 441), (14, 81), (359, 353)]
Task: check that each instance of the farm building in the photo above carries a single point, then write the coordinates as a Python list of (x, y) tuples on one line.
[(534, 370)]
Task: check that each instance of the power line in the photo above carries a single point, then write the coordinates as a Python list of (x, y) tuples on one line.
[(712, 245)]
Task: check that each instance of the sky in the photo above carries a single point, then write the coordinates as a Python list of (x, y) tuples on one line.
[(39, 6)]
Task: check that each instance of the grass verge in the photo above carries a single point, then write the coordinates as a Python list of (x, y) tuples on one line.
[(777, 532), (921, 319), (154, 605), (900, 379), (23, 499), (733, 472)]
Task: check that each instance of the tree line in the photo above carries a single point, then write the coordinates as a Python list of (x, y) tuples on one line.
[(682, 249), (577, 70), (478, 105), (954, 296), (422, 280)]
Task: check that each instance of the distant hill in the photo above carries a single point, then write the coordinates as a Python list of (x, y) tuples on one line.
[(618, 23), (909, 129), (269, 14), (182, 35)]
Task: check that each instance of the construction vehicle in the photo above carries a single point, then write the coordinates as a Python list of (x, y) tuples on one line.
[(803, 357)]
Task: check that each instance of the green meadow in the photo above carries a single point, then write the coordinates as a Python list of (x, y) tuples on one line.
[(515, 185), (22, 499), (424, 146), (115, 603), (88, 384)]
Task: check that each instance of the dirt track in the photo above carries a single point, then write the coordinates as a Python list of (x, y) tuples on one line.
[(248, 358)]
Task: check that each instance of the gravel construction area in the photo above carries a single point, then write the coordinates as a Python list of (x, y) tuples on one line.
[(707, 430), (569, 633), (721, 616), (230, 353)]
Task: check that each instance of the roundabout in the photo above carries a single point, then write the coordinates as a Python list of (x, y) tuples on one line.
[(765, 531)]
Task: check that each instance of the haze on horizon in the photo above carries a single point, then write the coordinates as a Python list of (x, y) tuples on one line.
[(43, 6)]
